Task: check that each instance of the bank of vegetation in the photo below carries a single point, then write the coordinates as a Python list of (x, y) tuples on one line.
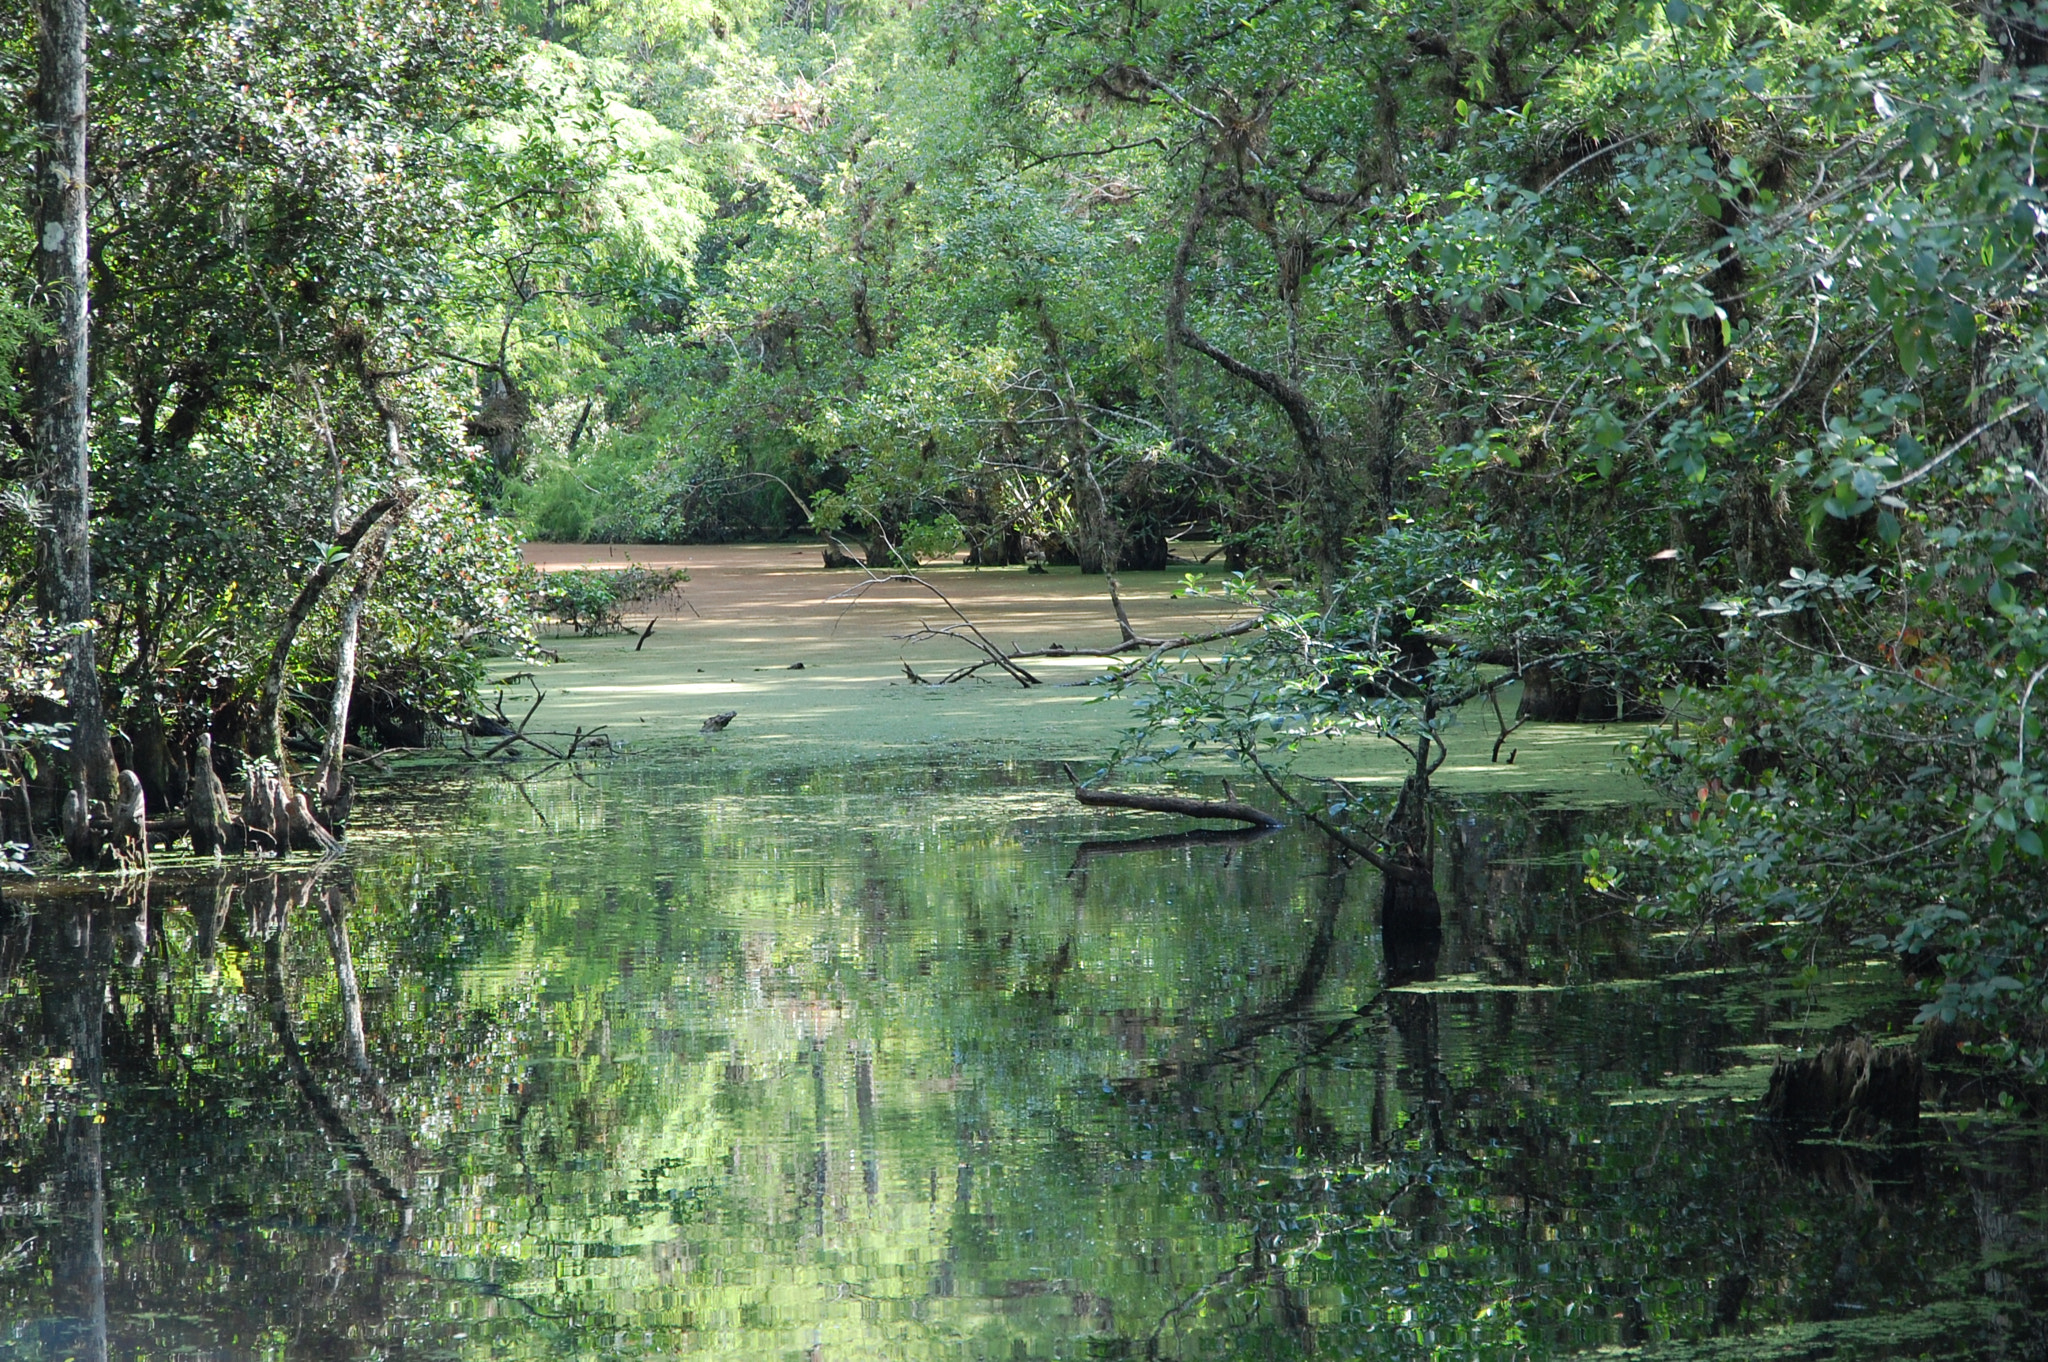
[(1683, 362)]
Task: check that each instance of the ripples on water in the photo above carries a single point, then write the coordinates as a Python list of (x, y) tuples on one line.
[(922, 1063)]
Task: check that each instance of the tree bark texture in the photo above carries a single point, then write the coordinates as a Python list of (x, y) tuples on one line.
[(270, 703), (60, 377), (333, 755)]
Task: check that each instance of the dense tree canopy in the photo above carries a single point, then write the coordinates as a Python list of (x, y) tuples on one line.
[(1679, 360), (1689, 353)]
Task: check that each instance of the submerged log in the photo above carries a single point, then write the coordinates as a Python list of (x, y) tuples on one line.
[(1187, 808)]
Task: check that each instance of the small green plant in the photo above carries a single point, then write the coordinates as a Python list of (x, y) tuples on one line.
[(588, 600)]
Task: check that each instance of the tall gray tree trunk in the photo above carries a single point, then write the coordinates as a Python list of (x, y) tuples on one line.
[(330, 780), (333, 756), (59, 375)]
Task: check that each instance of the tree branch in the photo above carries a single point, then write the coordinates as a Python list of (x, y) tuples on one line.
[(1232, 809)]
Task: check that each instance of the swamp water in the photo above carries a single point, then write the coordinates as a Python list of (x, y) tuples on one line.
[(921, 1061)]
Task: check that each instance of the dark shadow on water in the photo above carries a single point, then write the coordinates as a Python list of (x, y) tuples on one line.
[(69, 947)]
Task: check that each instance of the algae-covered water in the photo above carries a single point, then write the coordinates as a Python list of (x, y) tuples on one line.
[(666, 1056)]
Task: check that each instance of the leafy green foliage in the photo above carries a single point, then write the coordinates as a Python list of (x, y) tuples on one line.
[(1511, 338), (588, 600), (292, 206)]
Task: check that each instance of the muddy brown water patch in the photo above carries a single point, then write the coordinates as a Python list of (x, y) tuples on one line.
[(757, 609)]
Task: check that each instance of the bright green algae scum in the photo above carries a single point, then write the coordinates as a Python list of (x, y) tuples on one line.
[(915, 1060)]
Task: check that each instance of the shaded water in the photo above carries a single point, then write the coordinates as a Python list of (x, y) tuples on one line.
[(913, 1062)]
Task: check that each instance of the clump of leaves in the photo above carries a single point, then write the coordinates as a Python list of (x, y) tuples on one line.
[(589, 600)]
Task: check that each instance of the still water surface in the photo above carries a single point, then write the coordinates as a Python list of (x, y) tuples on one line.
[(917, 1062)]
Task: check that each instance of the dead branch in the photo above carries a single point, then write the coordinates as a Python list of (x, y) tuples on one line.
[(518, 733), (1187, 808), (973, 634), (1506, 728), (1154, 649)]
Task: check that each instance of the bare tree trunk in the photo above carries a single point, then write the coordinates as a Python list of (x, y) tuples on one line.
[(270, 702), (331, 783), (60, 376), (332, 756), (206, 812)]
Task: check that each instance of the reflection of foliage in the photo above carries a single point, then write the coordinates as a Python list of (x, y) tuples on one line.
[(707, 1065), (1671, 303)]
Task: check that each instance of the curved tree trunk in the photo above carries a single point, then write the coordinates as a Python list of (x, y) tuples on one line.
[(270, 700), (1325, 501), (330, 780)]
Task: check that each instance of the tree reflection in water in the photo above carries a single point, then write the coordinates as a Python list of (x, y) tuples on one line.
[(70, 956), (789, 1080)]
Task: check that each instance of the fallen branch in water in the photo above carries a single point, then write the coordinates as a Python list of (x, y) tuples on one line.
[(518, 733), (973, 634), (1153, 648), (1187, 808)]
